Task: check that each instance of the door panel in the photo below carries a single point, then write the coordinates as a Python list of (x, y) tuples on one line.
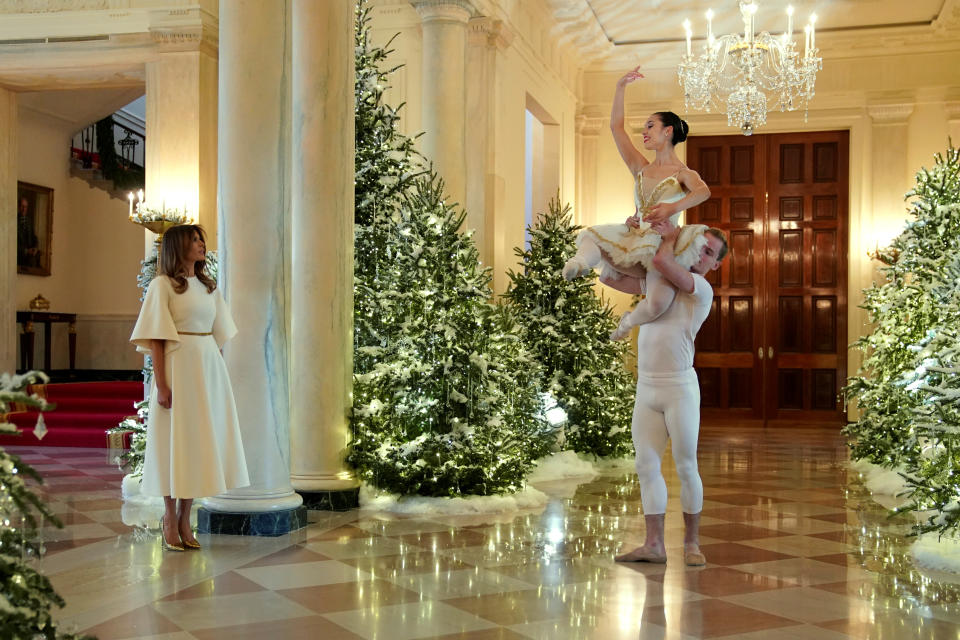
[(731, 383), (774, 346)]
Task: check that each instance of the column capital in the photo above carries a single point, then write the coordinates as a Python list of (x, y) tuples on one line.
[(444, 10), (897, 113), (589, 125), (489, 31)]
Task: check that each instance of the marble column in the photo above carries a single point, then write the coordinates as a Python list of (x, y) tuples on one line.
[(254, 145), (588, 136), (486, 38), (181, 157), (443, 85), (8, 231), (321, 344)]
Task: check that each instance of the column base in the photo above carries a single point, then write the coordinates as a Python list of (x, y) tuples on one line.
[(259, 523), (332, 500)]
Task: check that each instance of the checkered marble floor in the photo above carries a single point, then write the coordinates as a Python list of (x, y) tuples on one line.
[(796, 549)]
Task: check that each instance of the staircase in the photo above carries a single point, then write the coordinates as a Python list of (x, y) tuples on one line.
[(83, 413)]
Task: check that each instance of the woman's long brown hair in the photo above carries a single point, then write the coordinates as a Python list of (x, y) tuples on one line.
[(171, 261)]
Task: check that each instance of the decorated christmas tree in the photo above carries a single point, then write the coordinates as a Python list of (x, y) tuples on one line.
[(932, 477), (568, 328), (26, 595), (445, 397), (904, 310)]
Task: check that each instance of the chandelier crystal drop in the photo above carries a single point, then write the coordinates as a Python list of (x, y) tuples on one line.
[(746, 75)]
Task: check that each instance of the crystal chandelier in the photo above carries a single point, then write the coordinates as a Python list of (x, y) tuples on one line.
[(747, 75)]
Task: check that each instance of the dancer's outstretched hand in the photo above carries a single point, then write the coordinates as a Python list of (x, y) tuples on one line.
[(630, 76)]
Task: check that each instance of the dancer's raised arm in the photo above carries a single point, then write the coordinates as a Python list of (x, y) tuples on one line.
[(630, 154)]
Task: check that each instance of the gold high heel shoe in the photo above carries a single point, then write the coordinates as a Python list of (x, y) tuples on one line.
[(163, 541), (191, 545)]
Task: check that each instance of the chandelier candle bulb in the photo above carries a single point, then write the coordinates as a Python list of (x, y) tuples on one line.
[(813, 31), (686, 28), (130, 198), (806, 41), (710, 26), (790, 22)]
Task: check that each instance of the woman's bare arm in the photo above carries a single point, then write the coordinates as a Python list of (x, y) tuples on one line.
[(697, 192), (630, 154)]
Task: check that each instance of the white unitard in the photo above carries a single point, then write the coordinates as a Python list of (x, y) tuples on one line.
[(668, 395)]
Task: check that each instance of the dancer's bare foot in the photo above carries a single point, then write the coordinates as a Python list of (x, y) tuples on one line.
[(646, 553), (692, 556)]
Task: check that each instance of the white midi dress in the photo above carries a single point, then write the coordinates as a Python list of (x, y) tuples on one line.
[(193, 448), (628, 246)]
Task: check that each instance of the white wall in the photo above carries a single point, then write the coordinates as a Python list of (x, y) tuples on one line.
[(95, 257)]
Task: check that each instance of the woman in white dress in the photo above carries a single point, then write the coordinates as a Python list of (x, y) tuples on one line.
[(663, 188), (193, 436)]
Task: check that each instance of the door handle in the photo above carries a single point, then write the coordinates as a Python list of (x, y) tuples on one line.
[(760, 353), (770, 353)]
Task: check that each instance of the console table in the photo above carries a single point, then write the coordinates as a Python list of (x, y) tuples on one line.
[(27, 318)]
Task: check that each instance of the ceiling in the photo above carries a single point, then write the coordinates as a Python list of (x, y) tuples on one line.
[(641, 21)]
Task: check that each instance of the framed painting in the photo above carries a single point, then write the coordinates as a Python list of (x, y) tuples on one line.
[(34, 229)]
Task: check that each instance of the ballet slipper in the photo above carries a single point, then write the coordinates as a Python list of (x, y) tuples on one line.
[(574, 268), (623, 329), (640, 554), (694, 558)]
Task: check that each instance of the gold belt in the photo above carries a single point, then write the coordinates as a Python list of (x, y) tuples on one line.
[(193, 333)]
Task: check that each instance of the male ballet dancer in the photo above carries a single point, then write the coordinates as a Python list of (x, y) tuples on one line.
[(668, 395)]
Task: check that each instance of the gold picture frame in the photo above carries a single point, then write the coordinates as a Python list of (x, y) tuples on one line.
[(34, 229)]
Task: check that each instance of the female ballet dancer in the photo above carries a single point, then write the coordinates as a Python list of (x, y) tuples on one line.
[(663, 188), (193, 435)]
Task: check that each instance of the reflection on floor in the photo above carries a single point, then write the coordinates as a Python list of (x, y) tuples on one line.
[(795, 549)]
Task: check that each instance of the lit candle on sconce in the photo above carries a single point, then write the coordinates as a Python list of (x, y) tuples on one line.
[(130, 198), (686, 28)]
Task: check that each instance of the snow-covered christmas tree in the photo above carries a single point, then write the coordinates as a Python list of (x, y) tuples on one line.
[(904, 311), (26, 595), (445, 396), (567, 326), (932, 477)]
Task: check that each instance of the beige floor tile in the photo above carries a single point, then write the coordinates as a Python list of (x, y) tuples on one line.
[(806, 572), (802, 604), (222, 611), (408, 621), (304, 574), (455, 584), (804, 546), (358, 547)]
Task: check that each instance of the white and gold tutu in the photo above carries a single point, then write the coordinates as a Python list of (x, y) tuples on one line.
[(626, 246)]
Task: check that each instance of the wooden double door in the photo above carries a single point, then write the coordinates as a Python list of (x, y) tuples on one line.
[(774, 347)]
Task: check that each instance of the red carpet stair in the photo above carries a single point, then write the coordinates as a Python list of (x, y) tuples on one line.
[(85, 410)]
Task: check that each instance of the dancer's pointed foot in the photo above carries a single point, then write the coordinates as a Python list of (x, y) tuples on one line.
[(623, 329), (655, 555), (575, 268), (692, 555)]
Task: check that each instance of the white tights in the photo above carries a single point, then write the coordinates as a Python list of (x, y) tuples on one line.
[(667, 406)]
